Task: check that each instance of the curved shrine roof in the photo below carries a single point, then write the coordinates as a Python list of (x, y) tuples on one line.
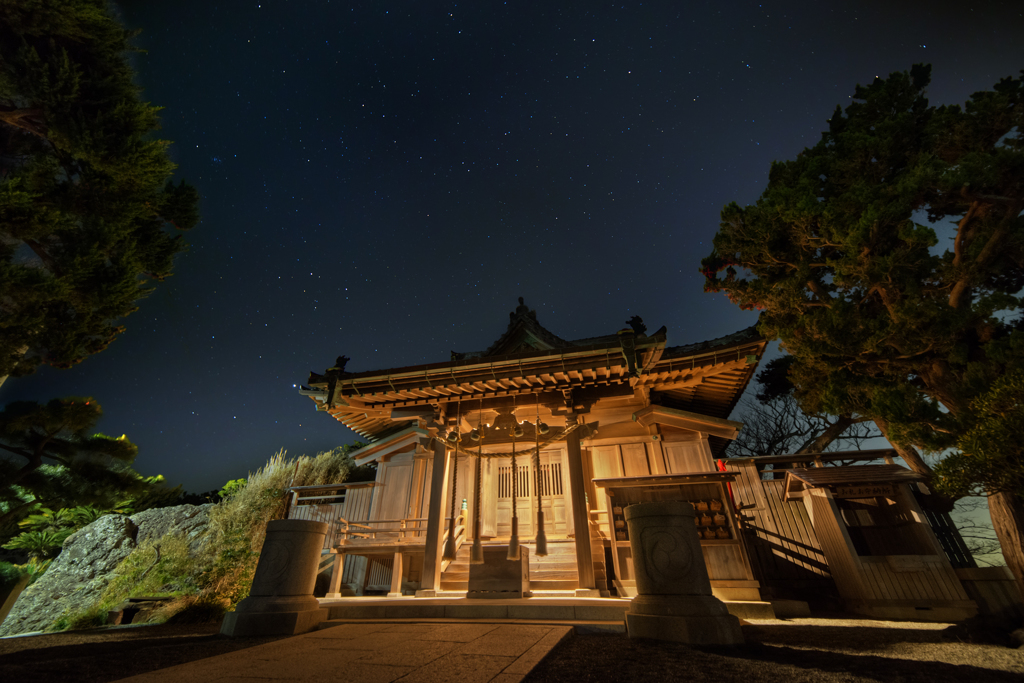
[(706, 377)]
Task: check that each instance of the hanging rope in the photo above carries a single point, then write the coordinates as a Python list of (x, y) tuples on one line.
[(540, 537), (476, 555), (449, 546), (513, 541)]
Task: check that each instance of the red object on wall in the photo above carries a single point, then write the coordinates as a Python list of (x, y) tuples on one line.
[(728, 485)]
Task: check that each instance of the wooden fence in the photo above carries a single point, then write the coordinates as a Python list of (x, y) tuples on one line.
[(784, 551)]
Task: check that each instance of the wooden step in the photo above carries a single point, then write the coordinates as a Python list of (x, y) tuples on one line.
[(540, 585)]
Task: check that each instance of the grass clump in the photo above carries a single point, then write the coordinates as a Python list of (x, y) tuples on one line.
[(156, 568), (238, 524), (208, 582)]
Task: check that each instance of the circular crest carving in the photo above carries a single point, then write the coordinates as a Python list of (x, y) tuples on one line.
[(666, 553)]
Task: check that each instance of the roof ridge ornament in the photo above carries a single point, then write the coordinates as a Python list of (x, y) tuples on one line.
[(522, 311)]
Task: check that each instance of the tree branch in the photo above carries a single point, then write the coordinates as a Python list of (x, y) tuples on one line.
[(988, 252), (17, 451), (824, 297), (961, 233), (818, 443), (29, 120), (908, 453), (39, 250)]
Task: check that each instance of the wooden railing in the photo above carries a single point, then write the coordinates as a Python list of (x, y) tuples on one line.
[(388, 528), (350, 532), (460, 537), (328, 502)]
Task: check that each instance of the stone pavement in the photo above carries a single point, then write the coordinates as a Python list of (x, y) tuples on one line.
[(380, 653)]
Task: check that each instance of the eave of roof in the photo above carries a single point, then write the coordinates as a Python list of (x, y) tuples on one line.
[(706, 377)]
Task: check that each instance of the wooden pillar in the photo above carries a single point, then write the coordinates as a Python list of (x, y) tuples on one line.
[(431, 579), (396, 577), (339, 567), (580, 517)]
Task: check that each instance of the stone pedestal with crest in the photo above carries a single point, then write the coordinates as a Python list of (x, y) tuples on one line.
[(674, 600)]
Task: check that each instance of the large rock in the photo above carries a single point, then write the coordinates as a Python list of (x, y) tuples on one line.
[(81, 572), (188, 520)]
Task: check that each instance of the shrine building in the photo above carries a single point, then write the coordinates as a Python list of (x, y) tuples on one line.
[(531, 449)]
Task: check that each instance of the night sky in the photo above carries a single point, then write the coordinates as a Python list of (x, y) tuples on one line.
[(384, 180)]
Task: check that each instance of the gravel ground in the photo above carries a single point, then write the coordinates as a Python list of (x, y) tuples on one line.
[(786, 651), (792, 651)]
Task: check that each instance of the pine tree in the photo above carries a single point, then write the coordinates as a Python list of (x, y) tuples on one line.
[(881, 320), (85, 191), (52, 459)]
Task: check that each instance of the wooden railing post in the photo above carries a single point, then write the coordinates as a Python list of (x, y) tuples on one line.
[(291, 497)]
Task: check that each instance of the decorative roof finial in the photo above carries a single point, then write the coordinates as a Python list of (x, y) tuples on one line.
[(637, 323), (521, 310)]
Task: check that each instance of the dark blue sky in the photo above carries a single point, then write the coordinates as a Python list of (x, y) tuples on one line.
[(384, 180)]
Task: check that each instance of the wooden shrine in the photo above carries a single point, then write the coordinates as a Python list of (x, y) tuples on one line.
[(535, 440), (541, 443)]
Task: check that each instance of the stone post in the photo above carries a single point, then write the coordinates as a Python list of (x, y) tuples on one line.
[(674, 600), (281, 600)]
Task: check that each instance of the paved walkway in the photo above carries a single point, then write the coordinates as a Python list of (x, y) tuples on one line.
[(380, 653)]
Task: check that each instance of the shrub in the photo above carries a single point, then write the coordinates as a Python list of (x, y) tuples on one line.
[(207, 584), (238, 523), (10, 575)]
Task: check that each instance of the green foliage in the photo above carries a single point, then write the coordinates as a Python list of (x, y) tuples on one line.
[(34, 568), (206, 583), (10, 575), (86, 201), (238, 523), (232, 487), (141, 573), (65, 518), (39, 544), (75, 621), (989, 450), (54, 460), (46, 530), (882, 321)]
